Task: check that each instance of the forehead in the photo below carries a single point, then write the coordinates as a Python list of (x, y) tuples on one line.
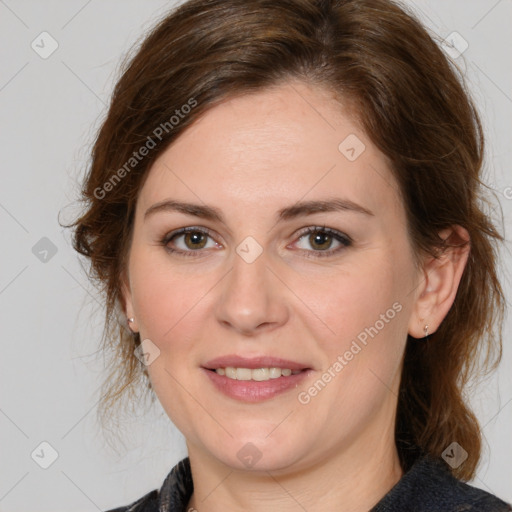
[(271, 148)]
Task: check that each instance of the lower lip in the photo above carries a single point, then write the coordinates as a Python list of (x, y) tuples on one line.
[(254, 391)]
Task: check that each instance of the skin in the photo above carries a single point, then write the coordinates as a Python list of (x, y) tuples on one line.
[(250, 157)]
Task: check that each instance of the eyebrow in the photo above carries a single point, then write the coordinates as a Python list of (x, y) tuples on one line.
[(297, 210)]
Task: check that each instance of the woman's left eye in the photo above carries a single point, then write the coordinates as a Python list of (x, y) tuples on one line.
[(322, 239)]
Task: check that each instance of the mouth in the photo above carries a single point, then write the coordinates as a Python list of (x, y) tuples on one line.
[(254, 379)]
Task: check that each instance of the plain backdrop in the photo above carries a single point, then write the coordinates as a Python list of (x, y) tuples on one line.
[(50, 315)]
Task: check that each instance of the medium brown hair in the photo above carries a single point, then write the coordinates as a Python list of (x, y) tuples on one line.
[(412, 104)]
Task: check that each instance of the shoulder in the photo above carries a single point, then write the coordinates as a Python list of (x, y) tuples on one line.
[(172, 496), (148, 503), (462, 496), (429, 486)]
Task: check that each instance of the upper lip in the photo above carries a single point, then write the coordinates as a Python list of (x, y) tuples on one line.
[(235, 361)]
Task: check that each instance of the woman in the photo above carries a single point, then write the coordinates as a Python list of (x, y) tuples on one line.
[(283, 203)]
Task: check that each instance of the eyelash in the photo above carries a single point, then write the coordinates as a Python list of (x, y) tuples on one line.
[(344, 240)]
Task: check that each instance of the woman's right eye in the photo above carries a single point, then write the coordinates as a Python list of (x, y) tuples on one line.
[(190, 240)]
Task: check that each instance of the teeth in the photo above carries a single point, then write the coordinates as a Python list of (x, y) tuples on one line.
[(257, 374), (231, 372), (260, 374), (275, 373), (243, 374)]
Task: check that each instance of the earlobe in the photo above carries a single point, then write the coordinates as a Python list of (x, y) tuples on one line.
[(126, 297), (440, 282)]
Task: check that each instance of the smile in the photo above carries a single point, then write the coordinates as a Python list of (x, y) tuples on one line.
[(256, 374)]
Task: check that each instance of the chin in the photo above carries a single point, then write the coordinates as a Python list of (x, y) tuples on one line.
[(258, 453)]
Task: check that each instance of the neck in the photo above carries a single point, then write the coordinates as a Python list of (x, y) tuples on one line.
[(352, 480)]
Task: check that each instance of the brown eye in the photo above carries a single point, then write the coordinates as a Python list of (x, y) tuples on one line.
[(188, 241), (322, 241), (195, 240)]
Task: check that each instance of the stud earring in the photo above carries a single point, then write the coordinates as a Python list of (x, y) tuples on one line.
[(130, 321)]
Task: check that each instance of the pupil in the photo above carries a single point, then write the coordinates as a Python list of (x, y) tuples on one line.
[(322, 240), (196, 239)]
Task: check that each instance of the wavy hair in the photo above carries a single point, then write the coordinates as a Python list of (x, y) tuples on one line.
[(413, 105)]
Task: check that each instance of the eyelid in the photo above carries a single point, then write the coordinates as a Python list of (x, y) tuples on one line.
[(188, 229), (342, 238), (345, 240), (183, 231), (323, 229)]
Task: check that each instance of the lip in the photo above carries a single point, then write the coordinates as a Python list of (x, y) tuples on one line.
[(253, 363), (251, 391)]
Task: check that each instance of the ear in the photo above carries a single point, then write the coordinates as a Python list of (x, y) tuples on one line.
[(126, 298), (440, 282)]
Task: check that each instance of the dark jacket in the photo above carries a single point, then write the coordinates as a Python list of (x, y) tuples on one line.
[(427, 487)]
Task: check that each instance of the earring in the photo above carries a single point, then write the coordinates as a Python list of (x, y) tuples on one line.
[(426, 331), (130, 321)]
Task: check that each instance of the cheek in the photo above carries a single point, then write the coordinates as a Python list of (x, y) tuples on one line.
[(350, 303), (367, 321), (167, 304), (163, 298), (362, 334)]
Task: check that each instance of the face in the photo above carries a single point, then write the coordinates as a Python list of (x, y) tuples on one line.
[(295, 257)]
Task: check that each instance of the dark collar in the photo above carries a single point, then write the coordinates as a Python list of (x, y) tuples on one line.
[(428, 486), (177, 488)]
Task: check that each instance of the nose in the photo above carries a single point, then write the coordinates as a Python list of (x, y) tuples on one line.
[(252, 299)]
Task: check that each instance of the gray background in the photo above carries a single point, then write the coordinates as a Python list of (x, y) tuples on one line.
[(50, 315)]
